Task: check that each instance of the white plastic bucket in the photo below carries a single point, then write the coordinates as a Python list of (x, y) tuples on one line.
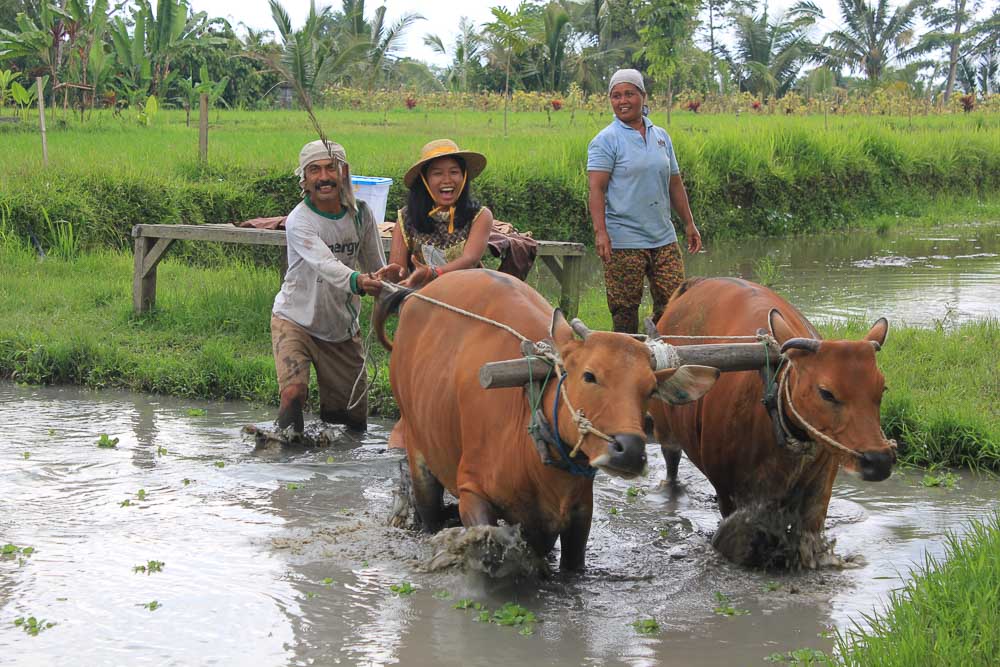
[(374, 191)]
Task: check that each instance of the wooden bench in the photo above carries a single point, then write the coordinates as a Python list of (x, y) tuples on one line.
[(152, 241)]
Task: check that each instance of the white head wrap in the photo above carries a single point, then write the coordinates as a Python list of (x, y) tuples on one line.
[(315, 151), (632, 76)]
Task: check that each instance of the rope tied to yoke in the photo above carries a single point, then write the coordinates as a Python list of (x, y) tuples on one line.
[(583, 425), (817, 435)]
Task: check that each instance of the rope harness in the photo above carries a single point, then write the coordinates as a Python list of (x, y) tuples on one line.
[(776, 386)]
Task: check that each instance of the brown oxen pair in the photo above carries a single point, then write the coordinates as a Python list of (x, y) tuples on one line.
[(774, 498), (475, 442)]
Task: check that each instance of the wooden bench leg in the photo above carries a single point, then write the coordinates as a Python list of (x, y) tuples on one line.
[(143, 285), (569, 300), (148, 253)]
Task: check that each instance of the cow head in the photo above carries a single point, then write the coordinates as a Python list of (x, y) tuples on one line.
[(610, 379), (837, 388)]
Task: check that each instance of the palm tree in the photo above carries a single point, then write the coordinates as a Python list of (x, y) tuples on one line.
[(872, 37), (311, 56), (467, 48), (769, 52), (508, 32), (384, 41)]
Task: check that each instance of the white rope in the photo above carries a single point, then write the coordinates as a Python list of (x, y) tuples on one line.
[(810, 429), (583, 425), (664, 355)]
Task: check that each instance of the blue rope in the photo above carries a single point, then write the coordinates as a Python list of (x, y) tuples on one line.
[(572, 467)]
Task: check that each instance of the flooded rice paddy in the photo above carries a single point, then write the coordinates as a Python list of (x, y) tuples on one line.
[(919, 277), (272, 559)]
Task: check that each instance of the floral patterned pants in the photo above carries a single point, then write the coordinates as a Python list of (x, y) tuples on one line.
[(625, 274)]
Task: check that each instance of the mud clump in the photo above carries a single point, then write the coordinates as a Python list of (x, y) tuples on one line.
[(773, 538), (498, 551), (315, 435)]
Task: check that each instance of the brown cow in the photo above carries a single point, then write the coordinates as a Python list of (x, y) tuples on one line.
[(773, 496), (475, 442)]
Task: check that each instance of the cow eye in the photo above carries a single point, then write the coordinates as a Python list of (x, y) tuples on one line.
[(589, 377), (827, 395)]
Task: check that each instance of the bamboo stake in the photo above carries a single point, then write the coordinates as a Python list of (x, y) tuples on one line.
[(203, 129), (41, 119)]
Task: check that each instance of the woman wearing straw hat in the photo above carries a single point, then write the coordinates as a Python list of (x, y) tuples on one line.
[(441, 228)]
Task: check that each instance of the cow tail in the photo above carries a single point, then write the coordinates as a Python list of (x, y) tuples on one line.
[(388, 304)]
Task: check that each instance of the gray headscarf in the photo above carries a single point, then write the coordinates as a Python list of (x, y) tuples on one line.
[(632, 76), (315, 151)]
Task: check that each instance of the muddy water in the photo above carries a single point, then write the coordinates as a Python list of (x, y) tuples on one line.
[(943, 275), (286, 559)]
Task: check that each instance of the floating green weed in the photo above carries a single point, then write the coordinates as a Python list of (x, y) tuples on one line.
[(328, 581), (141, 494), (634, 492), (802, 656), (32, 625), (466, 603), (153, 605), (197, 412), (402, 588), (186, 481), (220, 464), (150, 567), (613, 511), (512, 614), (442, 595), (125, 503), (771, 586), (646, 626), (104, 442), (293, 486), (943, 479), (12, 550), (161, 451), (329, 459), (725, 608), (26, 455)]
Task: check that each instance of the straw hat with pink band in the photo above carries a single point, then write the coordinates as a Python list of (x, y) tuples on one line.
[(474, 165)]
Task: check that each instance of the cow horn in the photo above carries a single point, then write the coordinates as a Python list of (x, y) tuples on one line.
[(807, 344), (579, 328), (651, 331)]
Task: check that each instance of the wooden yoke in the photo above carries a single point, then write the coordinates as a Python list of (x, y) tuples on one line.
[(726, 357)]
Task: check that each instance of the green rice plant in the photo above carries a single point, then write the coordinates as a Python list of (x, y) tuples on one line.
[(946, 614), (63, 242), (766, 271)]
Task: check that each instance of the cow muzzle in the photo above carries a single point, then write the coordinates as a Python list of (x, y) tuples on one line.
[(876, 466), (625, 456)]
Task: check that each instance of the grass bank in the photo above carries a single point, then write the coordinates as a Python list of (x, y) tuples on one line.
[(948, 613), (747, 175), (71, 321)]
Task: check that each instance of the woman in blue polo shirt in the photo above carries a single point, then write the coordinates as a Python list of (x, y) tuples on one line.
[(634, 181)]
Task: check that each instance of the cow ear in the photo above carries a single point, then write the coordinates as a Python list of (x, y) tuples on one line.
[(877, 334), (779, 327), (685, 384)]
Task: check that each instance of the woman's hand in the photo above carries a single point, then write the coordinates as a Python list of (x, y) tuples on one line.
[(603, 244), (392, 273), (420, 276), (693, 237)]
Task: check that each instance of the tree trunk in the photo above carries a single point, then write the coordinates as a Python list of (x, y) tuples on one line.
[(670, 97), (506, 96), (953, 56)]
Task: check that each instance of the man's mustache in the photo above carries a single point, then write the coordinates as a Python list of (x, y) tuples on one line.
[(320, 184)]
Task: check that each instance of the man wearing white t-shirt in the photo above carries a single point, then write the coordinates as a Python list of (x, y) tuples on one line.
[(333, 250)]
